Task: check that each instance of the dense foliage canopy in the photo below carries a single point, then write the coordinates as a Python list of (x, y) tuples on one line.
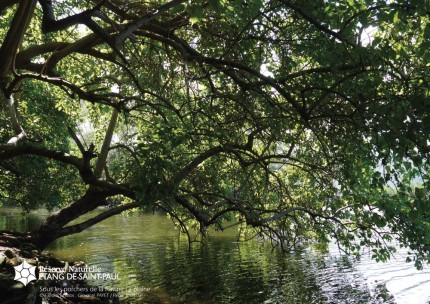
[(300, 120)]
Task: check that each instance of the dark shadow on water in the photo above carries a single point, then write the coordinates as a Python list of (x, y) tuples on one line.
[(154, 263)]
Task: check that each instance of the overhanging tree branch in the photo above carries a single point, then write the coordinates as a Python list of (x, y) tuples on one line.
[(101, 160), (14, 36), (69, 230), (71, 89), (33, 149), (13, 117), (228, 67), (131, 28), (50, 24), (234, 149), (315, 22), (76, 140)]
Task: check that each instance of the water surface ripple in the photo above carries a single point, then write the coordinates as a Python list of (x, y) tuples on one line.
[(151, 257)]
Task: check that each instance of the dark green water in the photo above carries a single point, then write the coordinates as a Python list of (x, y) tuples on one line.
[(155, 266)]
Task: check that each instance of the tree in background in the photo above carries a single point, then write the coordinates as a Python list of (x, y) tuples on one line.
[(299, 120)]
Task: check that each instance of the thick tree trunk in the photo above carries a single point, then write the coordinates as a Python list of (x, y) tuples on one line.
[(50, 229), (14, 36)]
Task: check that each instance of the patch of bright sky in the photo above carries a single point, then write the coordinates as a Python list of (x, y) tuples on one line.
[(115, 88), (367, 35), (265, 71)]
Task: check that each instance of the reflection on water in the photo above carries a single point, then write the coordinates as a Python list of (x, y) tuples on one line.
[(151, 257), (12, 219)]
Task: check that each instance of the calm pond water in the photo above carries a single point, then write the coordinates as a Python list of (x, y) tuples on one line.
[(155, 266)]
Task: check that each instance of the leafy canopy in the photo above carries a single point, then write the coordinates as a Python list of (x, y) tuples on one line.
[(297, 119)]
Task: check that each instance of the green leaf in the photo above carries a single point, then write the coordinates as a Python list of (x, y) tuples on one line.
[(420, 193), (195, 12), (396, 18), (178, 8), (216, 5)]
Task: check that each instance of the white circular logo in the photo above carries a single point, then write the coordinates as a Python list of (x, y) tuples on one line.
[(25, 273)]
